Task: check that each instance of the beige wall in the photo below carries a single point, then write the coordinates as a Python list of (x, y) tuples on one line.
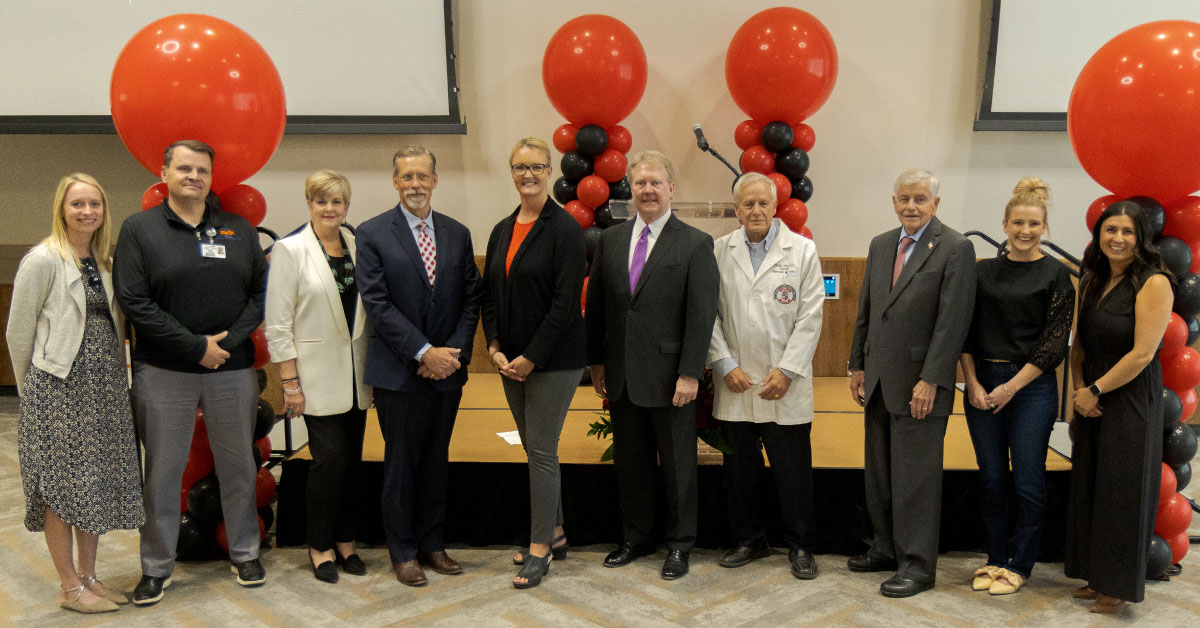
[(909, 76)]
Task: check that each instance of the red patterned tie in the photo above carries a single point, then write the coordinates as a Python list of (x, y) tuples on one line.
[(900, 251), (428, 252)]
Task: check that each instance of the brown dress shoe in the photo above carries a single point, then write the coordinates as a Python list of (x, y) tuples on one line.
[(410, 573), (441, 563)]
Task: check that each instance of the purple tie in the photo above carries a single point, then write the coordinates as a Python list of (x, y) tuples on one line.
[(639, 258)]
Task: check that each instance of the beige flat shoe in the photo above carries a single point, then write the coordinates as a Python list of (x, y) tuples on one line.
[(984, 576), (71, 602), (1006, 582), (1106, 605), (1085, 593), (116, 597)]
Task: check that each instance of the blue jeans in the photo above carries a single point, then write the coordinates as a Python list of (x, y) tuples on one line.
[(1021, 428)]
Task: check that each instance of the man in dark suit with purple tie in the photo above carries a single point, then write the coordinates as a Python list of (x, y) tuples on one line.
[(421, 291)]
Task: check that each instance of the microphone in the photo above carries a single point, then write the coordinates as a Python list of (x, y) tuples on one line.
[(700, 140)]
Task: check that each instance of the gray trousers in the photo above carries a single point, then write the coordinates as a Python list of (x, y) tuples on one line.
[(164, 406), (539, 406)]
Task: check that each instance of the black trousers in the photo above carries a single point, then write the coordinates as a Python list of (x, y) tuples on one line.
[(789, 448), (904, 487), (641, 438), (335, 442), (416, 429)]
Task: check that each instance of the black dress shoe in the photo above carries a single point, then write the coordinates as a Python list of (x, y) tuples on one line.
[(351, 564), (804, 565), (325, 572), (625, 554), (899, 586), (675, 566), (866, 562), (742, 555)]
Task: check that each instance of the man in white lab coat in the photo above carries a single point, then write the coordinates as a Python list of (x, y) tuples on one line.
[(768, 323)]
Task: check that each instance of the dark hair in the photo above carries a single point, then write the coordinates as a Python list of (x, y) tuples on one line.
[(1095, 270), (192, 145)]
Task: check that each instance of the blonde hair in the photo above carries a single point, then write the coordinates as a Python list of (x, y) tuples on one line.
[(1030, 192), (326, 184), (531, 143), (653, 159), (58, 240)]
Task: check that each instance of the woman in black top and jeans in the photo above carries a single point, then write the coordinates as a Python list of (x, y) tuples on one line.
[(1019, 334)]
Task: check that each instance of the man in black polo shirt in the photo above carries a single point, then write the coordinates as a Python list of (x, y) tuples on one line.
[(191, 279)]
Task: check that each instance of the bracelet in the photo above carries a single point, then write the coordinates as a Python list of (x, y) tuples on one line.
[(291, 379), (1005, 387), (292, 391)]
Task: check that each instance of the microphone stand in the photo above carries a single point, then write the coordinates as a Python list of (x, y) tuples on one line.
[(708, 149)]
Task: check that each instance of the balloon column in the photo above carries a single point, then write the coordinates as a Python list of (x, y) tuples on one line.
[(594, 73), (780, 68), (1134, 120), (191, 76)]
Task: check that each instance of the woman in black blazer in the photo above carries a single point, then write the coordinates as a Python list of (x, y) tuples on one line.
[(533, 276)]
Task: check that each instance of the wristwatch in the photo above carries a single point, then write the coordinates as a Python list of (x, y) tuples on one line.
[(1095, 390)]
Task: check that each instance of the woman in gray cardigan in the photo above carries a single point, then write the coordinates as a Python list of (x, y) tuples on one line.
[(75, 438)]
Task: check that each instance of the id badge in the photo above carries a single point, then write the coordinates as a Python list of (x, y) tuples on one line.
[(214, 251)]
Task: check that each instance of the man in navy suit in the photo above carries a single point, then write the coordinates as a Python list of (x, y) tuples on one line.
[(421, 290)]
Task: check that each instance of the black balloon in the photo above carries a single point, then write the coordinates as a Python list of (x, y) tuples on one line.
[(1187, 296), (196, 538), (262, 380), (604, 217), (777, 136), (1172, 408), (1159, 557), (256, 453), (620, 191), (564, 191), (1179, 445), (1183, 475), (591, 239), (802, 190), (204, 499), (1176, 254), (264, 419), (591, 140), (268, 515), (575, 166), (1193, 330), (1156, 217), (792, 164)]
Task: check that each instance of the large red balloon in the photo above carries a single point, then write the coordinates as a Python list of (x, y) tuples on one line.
[(1097, 207), (1176, 335), (610, 165), (1174, 516), (1181, 370), (1179, 546), (1183, 219), (1134, 113), (620, 139), (758, 159), (1166, 484), (781, 65), (793, 213), (594, 70), (154, 195), (592, 191), (245, 201), (197, 77)]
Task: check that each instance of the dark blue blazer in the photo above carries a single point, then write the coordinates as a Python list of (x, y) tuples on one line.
[(404, 311)]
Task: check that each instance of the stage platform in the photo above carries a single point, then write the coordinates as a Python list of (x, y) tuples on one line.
[(489, 479)]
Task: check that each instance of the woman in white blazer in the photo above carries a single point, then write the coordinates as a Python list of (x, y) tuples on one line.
[(316, 332), (75, 438), (768, 323)]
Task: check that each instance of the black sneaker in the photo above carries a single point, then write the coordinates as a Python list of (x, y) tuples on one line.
[(249, 573), (149, 590)]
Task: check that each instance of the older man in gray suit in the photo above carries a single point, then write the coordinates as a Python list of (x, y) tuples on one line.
[(917, 297)]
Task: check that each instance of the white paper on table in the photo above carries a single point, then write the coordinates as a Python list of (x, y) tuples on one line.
[(512, 438)]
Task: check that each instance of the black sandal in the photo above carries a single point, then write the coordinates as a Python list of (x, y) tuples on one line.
[(559, 551), (535, 568)]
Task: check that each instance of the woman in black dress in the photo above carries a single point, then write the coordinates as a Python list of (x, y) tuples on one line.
[(1125, 303)]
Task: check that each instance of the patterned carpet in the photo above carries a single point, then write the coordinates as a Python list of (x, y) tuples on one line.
[(579, 591)]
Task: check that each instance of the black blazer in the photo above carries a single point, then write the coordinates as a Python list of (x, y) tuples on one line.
[(647, 339), (534, 310), (404, 311)]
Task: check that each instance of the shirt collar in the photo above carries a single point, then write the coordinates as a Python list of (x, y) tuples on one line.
[(772, 233), (916, 236), (413, 221), (656, 227)]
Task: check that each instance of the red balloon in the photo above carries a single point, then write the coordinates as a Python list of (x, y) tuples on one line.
[(1166, 485), (183, 499), (1188, 397), (619, 139), (264, 448), (245, 201), (781, 65), (199, 465), (1097, 207), (264, 488), (1174, 516), (564, 138), (803, 137), (200, 433), (1195, 246), (806, 232), (594, 70), (783, 188), (154, 195), (793, 213), (758, 159), (583, 298), (1181, 370), (223, 534), (1183, 219), (582, 215), (261, 354), (592, 191), (748, 133), (1179, 545), (1176, 335), (197, 77), (1134, 114), (610, 165)]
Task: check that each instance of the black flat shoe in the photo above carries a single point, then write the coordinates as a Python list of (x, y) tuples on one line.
[(899, 586), (351, 564), (534, 569), (675, 566), (804, 565), (325, 572), (626, 553), (743, 555), (867, 563)]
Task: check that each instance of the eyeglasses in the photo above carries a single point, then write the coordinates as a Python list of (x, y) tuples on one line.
[(536, 169)]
